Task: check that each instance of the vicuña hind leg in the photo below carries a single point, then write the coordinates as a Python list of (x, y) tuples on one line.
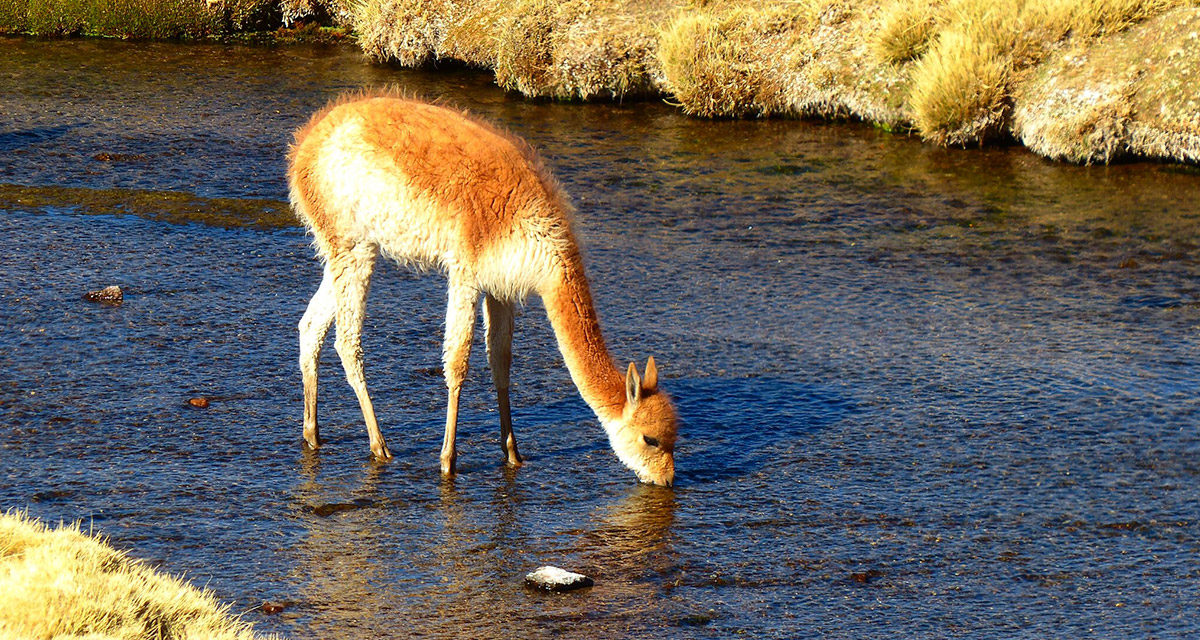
[(456, 354), (351, 280), (498, 318), (314, 326)]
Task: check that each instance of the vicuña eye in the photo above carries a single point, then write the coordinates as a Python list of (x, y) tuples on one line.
[(650, 441)]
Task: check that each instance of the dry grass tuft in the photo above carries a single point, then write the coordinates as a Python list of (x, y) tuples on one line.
[(524, 53), (566, 49), (811, 57), (1094, 18), (906, 28), (60, 583), (472, 35), (418, 32), (580, 49), (961, 89), (407, 31), (731, 61), (340, 12)]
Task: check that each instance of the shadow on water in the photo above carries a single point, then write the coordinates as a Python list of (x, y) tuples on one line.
[(716, 442)]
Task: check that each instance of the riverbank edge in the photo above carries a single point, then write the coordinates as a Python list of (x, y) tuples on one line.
[(1083, 81), (61, 582), (300, 33), (215, 21), (957, 73)]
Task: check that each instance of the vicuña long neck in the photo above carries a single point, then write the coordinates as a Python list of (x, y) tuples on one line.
[(568, 302)]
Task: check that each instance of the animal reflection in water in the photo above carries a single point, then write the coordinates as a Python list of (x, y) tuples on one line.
[(435, 188), (455, 560)]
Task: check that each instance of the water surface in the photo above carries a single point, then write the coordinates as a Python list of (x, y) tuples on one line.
[(925, 392)]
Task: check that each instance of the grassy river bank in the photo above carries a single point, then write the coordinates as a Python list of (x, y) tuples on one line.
[(1087, 81), (63, 583)]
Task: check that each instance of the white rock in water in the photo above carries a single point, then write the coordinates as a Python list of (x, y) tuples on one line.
[(557, 580)]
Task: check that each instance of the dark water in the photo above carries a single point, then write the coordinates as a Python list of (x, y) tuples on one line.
[(926, 393)]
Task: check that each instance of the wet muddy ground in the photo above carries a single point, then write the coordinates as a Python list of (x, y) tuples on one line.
[(925, 392)]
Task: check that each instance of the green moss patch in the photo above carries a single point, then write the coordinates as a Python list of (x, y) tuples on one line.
[(175, 207)]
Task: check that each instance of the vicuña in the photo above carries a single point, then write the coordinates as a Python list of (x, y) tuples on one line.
[(438, 189)]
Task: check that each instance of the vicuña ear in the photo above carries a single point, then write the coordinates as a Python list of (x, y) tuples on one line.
[(633, 386), (650, 382)]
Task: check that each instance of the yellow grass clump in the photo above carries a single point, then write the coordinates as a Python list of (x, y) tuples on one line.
[(340, 12), (808, 57), (60, 583), (905, 29), (728, 61), (580, 49), (418, 32), (472, 34), (565, 49), (962, 87), (407, 31), (1092, 18)]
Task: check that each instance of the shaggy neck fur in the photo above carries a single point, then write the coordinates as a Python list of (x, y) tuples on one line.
[(569, 305)]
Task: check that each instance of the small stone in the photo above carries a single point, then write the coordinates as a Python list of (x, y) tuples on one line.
[(199, 403), (556, 580), (108, 295), (865, 577), (272, 608), (696, 620)]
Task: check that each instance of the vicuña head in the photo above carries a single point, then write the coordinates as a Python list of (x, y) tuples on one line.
[(643, 437), (434, 187)]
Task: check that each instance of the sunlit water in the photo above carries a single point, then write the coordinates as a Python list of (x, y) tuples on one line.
[(926, 393)]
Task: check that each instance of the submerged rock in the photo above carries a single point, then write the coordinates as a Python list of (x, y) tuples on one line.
[(200, 402), (866, 577), (108, 295), (556, 580), (272, 608)]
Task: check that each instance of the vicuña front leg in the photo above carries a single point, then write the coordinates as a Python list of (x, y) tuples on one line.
[(456, 355), (498, 318), (351, 280), (314, 326)]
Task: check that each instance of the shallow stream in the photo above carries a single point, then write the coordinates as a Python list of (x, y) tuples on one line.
[(925, 392)]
